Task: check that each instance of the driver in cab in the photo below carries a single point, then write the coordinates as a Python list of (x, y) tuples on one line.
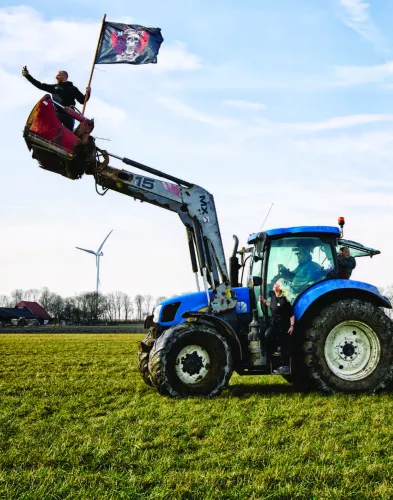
[(307, 271)]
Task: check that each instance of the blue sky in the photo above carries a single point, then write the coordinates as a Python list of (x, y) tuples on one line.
[(259, 102)]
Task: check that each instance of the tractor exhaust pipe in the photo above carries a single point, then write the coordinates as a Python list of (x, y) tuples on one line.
[(234, 265)]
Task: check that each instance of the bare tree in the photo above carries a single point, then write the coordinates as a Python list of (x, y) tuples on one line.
[(57, 306), (5, 301), (45, 298), (16, 296), (31, 294), (101, 306), (148, 302), (85, 307), (127, 306), (160, 299), (81, 301), (71, 311), (105, 309), (111, 306), (139, 301), (87, 304), (119, 303)]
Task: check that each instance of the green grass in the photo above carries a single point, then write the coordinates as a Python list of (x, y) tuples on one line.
[(76, 421)]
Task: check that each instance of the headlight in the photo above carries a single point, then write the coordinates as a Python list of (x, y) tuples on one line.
[(156, 314)]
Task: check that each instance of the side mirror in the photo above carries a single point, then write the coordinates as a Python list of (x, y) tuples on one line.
[(256, 281)]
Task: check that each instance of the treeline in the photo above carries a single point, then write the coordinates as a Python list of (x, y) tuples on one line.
[(84, 307)]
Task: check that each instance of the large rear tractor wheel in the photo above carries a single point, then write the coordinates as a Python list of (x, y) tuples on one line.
[(349, 348), (190, 359)]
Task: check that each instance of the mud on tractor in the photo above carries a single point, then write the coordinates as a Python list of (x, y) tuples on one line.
[(343, 341)]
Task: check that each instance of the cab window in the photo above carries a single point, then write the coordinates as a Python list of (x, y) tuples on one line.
[(299, 262)]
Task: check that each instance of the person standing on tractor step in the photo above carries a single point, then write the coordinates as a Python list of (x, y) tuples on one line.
[(282, 325), (63, 92), (346, 263)]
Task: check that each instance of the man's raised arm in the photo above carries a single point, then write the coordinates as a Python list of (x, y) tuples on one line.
[(46, 87)]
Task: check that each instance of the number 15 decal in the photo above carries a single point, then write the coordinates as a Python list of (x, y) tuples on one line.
[(144, 182)]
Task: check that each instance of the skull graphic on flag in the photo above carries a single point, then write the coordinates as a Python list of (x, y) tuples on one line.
[(124, 43), (129, 44)]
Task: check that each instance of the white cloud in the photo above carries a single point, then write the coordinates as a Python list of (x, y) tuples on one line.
[(357, 11), (105, 112), (361, 75), (26, 38), (181, 109), (244, 104), (340, 122), (175, 57), (365, 155), (247, 163), (265, 126), (22, 92), (45, 43), (356, 15)]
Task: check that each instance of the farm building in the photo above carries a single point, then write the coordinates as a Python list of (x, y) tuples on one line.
[(21, 315), (24, 312), (36, 310)]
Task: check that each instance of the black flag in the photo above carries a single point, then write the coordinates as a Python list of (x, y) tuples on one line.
[(128, 43)]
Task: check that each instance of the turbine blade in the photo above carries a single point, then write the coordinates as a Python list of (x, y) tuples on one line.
[(84, 249), (102, 244)]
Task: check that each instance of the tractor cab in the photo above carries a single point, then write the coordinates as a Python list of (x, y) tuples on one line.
[(299, 256), (55, 147)]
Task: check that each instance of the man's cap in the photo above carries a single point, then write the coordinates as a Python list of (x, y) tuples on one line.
[(298, 250)]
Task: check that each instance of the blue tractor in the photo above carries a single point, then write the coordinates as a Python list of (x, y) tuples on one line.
[(342, 341)]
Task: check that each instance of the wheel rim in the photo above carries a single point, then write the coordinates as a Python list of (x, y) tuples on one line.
[(192, 364), (352, 350)]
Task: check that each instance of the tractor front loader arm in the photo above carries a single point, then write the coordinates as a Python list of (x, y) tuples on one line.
[(196, 209), (74, 153)]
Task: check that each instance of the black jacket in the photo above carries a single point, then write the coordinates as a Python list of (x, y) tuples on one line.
[(63, 93), (281, 308), (346, 266)]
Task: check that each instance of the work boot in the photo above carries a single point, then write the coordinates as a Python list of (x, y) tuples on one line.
[(283, 370)]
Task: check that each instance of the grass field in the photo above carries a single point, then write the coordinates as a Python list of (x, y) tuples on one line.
[(76, 421)]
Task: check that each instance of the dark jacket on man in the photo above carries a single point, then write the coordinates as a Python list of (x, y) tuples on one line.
[(64, 93), (346, 265)]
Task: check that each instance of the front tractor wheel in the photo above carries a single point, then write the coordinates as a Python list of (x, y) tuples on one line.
[(349, 348), (190, 360)]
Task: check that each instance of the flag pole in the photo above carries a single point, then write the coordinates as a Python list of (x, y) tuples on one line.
[(94, 62)]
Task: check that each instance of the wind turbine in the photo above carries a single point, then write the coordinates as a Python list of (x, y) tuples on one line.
[(98, 254)]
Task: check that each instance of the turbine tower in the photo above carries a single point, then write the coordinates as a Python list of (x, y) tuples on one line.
[(98, 254)]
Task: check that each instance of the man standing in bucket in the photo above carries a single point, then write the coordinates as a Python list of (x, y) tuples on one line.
[(63, 92)]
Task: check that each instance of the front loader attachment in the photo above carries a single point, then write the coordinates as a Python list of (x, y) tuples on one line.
[(55, 147), (72, 154)]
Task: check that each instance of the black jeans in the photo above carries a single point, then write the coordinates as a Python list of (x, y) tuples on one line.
[(66, 120), (277, 335)]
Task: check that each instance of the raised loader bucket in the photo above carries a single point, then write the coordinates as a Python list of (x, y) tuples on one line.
[(56, 148)]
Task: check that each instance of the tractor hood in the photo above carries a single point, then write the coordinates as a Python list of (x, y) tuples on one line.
[(169, 312)]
